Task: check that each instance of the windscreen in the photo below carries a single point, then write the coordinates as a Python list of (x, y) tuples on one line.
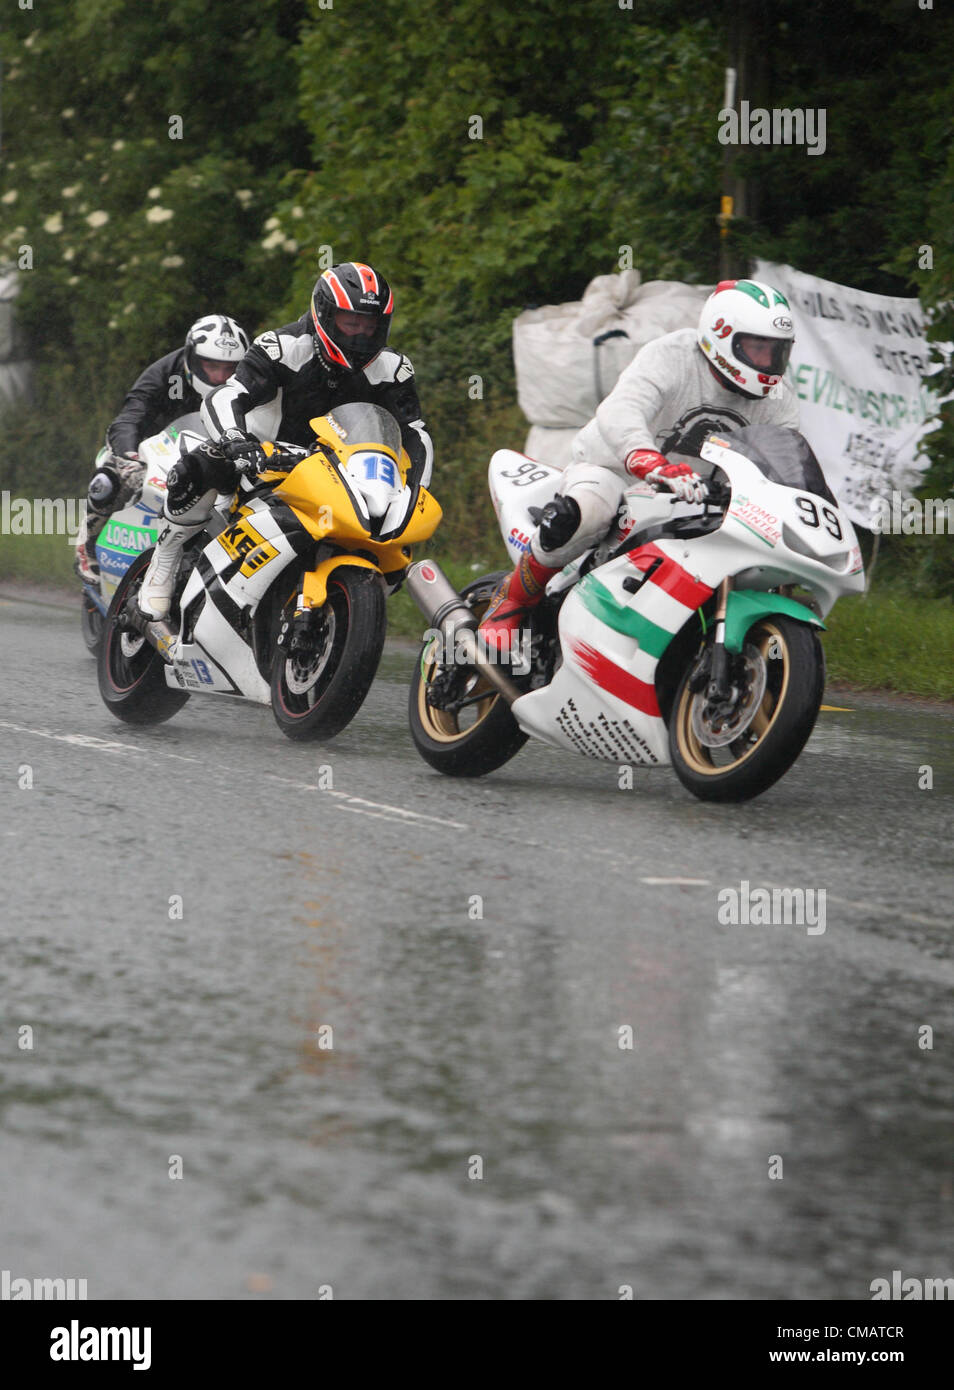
[(360, 423), (784, 456)]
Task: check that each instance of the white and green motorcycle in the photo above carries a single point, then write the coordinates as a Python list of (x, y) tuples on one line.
[(689, 639)]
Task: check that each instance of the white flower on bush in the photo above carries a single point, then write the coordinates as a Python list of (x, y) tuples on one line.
[(159, 214), (119, 144), (272, 222), (112, 324), (298, 212), (70, 192), (129, 308), (290, 245), (54, 223), (171, 262), (69, 253), (10, 197), (30, 39), (73, 280), (272, 240), (68, 113), (154, 192), (98, 219), (244, 196)]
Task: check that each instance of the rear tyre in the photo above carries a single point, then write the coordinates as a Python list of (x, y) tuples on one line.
[(91, 623), (131, 673), (317, 692), (482, 734), (735, 754)]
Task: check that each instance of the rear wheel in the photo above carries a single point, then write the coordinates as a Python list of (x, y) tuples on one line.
[(131, 672), (320, 683), (470, 731), (734, 751), (91, 623)]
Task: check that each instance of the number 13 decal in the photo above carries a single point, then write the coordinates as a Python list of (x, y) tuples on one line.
[(809, 516)]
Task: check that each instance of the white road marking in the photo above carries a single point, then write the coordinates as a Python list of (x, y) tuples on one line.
[(689, 882), (360, 805)]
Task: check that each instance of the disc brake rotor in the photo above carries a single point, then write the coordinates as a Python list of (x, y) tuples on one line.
[(304, 668), (715, 725), (131, 644)]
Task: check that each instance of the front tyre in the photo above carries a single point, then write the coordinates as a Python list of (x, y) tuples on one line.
[(91, 623), (131, 672), (319, 685), (736, 751), (472, 730)]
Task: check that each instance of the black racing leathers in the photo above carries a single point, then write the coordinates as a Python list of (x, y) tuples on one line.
[(158, 396), (282, 366)]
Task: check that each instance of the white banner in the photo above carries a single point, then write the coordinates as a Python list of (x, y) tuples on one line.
[(856, 368)]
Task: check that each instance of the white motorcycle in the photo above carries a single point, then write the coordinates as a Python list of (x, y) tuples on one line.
[(688, 636)]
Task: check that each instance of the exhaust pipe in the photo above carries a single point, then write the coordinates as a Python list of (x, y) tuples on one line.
[(157, 631), (445, 610)]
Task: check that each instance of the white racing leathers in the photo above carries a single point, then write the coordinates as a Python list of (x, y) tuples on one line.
[(667, 399)]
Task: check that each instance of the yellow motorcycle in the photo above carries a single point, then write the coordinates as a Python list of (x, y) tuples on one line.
[(281, 600)]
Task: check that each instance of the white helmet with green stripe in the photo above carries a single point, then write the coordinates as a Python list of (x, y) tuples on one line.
[(746, 332)]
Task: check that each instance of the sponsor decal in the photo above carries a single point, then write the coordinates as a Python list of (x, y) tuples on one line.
[(855, 563), (227, 342), (270, 345), (156, 481), (520, 540), (242, 542), (342, 434), (728, 367), (428, 573), (756, 519), (783, 322), (130, 539), (722, 443)]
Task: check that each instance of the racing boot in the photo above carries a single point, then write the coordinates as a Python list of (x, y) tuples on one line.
[(84, 558), (159, 581), (511, 601)]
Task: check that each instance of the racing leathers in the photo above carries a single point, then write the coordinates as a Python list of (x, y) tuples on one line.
[(159, 395), (656, 417)]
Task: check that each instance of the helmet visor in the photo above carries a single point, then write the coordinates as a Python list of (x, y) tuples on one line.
[(212, 370), (360, 336), (766, 355)]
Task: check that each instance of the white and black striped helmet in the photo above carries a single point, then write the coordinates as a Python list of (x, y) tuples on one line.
[(212, 338)]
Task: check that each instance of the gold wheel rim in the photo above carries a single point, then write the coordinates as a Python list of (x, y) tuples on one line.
[(695, 754), (443, 726)]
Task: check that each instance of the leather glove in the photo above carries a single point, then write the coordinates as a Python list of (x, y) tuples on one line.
[(244, 450), (679, 478)]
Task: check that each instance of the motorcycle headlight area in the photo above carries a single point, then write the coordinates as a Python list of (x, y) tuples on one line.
[(839, 560), (376, 477)]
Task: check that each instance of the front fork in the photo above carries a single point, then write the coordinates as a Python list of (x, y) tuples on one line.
[(719, 689)]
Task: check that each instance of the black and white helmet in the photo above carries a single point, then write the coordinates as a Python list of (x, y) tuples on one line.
[(213, 342)]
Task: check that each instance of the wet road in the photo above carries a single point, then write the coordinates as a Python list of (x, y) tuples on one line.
[(188, 911)]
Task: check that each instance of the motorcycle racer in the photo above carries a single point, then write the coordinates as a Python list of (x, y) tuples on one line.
[(175, 385), (724, 374), (336, 353)]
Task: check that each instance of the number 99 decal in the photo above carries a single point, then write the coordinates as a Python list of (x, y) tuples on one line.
[(809, 516), (528, 472)]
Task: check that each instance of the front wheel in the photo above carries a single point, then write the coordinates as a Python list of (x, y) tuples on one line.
[(736, 750), (460, 724), (132, 676), (320, 682)]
